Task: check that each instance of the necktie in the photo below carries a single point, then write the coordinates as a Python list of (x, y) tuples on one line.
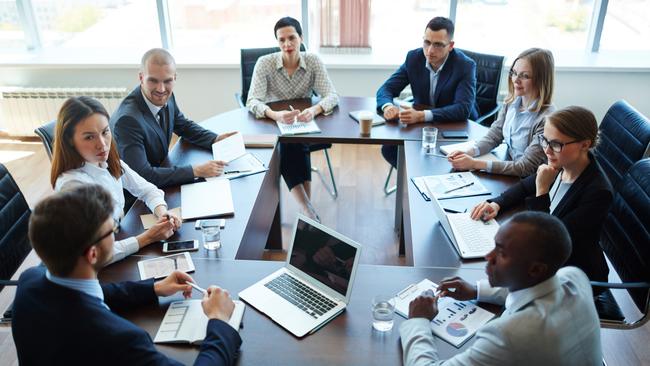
[(162, 119)]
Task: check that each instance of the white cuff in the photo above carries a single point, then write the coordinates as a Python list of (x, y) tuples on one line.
[(428, 116), (124, 248)]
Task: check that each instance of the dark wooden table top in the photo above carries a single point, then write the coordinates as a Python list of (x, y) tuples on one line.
[(347, 340)]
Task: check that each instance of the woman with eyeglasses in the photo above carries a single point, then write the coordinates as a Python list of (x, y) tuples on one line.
[(291, 74), (85, 153), (572, 187), (529, 101)]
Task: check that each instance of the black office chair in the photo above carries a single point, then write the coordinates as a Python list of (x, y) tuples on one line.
[(488, 78), (46, 133), (624, 140), (249, 57), (626, 241), (14, 221)]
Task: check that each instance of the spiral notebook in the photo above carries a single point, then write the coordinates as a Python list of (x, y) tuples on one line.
[(298, 128)]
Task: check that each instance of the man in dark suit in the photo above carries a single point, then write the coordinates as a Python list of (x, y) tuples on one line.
[(63, 316), (144, 122), (440, 77)]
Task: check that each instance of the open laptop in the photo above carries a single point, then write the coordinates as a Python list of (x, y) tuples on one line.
[(315, 284), (471, 238)]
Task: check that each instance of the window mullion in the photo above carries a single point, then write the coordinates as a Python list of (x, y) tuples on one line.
[(596, 26), (165, 24), (30, 26)]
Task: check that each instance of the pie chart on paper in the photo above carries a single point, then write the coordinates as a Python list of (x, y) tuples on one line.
[(456, 330)]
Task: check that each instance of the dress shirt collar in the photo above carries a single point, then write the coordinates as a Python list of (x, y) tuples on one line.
[(88, 287), (152, 107), (430, 68), (518, 299), (518, 102), (279, 65)]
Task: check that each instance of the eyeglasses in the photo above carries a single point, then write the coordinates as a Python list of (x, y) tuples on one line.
[(114, 230), (521, 76), (436, 45), (556, 146)]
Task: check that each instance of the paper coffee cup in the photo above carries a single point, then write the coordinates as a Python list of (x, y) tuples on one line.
[(365, 122)]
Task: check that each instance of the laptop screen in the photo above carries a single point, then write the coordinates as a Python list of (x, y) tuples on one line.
[(323, 257)]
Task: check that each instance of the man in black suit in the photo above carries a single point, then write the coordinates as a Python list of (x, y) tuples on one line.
[(63, 316), (144, 122)]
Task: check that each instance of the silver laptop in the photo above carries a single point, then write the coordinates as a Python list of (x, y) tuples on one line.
[(471, 238), (315, 284)]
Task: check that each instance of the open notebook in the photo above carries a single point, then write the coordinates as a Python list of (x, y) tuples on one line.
[(464, 146), (185, 322), (298, 128)]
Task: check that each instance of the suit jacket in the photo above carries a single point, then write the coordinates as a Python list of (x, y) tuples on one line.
[(552, 323), (583, 210), (455, 94), (533, 155), (55, 325), (143, 144)]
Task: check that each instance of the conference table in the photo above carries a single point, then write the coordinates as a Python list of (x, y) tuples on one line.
[(255, 227)]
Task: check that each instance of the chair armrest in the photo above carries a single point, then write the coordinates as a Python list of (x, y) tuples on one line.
[(621, 285), (489, 114)]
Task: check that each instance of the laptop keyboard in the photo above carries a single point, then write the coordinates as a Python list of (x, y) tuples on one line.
[(478, 236), (300, 295)]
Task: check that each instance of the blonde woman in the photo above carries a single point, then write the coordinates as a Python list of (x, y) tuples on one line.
[(529, 101)]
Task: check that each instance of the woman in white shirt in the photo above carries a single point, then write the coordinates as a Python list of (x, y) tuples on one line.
[(85, 153), (529, 101)]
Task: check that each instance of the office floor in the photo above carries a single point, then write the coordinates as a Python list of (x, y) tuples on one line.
[(361, 212)]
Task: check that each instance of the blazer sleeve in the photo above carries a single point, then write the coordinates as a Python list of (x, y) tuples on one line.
[(533, 155), (494, 136), (392, 87), (220, 345), (128, 295), (190, 130), (131, 137), (464, 96), (516, 194)]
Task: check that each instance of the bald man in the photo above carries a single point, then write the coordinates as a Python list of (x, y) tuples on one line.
[(144, 122), (549, 316)]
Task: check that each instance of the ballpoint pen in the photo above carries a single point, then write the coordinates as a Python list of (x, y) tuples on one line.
[(197, 287), (237, 171), (461, 187)]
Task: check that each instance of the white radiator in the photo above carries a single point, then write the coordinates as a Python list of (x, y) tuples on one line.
[(24, 109)]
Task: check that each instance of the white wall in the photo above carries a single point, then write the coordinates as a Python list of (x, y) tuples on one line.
[(203, 92)]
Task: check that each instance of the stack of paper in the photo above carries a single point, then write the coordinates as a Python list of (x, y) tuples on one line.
[(229, 148), (298, 128), (463, 184), (206, 199), (456, 322), (466, 146)]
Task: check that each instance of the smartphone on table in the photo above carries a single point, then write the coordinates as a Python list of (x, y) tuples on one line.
[(180, 246)]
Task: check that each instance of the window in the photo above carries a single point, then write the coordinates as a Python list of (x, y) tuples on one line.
[(500, 25), (228, 25), (91, 24), (627, 26), (11, 33), (398, 26)]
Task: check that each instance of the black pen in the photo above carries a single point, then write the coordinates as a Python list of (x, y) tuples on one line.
[(237, 171), (461, 187)]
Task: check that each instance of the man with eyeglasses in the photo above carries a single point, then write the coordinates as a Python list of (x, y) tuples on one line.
[(63, 316), (440, 76)]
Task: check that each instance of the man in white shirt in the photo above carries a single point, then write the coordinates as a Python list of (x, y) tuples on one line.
[(549, 316)]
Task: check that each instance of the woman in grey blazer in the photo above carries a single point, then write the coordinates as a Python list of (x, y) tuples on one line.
[(529, 101)]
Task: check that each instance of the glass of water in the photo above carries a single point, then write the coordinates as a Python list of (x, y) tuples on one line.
[(429, 139), (211, 233), (383, 311)]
